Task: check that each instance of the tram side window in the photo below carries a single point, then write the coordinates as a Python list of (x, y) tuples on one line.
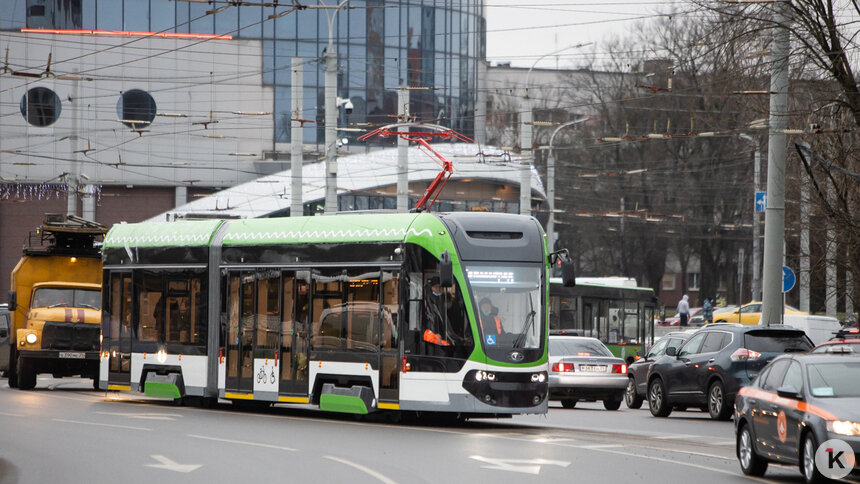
[(150, 308), (268, 314), (362, 311), (438, 322), (390, 310), (327, 321)]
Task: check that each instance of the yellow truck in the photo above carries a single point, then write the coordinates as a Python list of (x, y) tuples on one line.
[(55, 303)]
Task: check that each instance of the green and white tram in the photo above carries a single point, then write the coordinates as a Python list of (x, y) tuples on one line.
[(352, 313)]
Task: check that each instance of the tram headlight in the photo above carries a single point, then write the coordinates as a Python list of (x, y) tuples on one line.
[(31, 338), (538, 377), (491, 376), (161, 356), (481, 375)]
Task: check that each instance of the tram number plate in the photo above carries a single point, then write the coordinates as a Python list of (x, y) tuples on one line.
[(72, 354), (593, 368)]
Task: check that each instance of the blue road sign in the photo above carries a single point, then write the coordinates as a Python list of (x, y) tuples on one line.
[(760, 201), (788, 279)]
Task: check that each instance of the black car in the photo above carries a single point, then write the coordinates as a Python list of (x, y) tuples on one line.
[(710, 368), (637, 372), (797, 403)]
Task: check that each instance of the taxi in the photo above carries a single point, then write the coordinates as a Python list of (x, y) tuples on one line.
[(844, 341), (749, 313), (796, 403)]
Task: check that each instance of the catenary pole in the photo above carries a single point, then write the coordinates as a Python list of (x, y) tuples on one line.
[(774, 220), (296, 140)]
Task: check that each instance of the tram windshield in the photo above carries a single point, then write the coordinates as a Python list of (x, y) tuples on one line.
[(507, 305)]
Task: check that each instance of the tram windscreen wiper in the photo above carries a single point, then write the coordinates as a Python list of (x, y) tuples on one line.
[(530, 318)]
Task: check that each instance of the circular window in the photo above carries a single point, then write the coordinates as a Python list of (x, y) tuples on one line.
[(40, 106), (136, 109)]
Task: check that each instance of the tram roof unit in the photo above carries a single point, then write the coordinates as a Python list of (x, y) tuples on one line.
[(392, 227), (271, 194)]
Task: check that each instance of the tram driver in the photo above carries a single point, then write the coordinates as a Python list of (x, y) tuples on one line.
[(491, 322)]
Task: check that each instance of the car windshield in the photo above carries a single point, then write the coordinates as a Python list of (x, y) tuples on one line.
[(54, 297), (777, 341), (835, 379), (508, 304), (577, 347)]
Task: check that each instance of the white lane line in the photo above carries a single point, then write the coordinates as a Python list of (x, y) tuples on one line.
[(99, 424), (361, 468), (242, 442), (10, 414), (677, 436), (668, 461)]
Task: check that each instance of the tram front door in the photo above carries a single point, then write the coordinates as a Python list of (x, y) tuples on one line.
[(119, 340)]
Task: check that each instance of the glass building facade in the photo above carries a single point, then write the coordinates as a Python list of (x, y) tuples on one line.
[(381, 45)]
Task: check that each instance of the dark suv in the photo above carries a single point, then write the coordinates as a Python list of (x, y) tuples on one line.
[(710, 368)]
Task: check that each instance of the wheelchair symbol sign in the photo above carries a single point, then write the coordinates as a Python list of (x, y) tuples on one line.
[(491, 339)]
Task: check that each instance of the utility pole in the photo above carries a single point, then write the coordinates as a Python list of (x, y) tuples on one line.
[(527, 155), (297, 140), (74, 180), (402, 152), (481, 105), (774, 220), (331, 114), (756, 255), (803, 272)]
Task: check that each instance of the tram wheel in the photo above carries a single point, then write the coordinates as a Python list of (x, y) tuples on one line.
[(568, 403)]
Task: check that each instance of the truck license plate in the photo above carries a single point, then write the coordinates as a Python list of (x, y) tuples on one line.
[(72, 354)]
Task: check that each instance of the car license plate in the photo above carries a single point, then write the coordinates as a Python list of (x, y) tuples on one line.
[(593, 368), (72, 354)]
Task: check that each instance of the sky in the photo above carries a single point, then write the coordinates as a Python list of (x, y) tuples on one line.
[(521, 31)]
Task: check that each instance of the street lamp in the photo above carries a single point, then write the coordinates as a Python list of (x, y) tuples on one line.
[(526, 137), (331, 111), (550, 182)]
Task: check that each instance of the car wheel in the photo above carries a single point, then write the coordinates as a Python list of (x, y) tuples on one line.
[(658, 401), (568, 403), (751, 463), (26, 375), (612, 403), (718, 407), (631, 398), (807, 459)]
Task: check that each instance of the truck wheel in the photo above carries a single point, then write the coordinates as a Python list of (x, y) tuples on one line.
[(26, 375)]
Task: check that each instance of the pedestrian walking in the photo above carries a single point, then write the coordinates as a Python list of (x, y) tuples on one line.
[(684, 310)]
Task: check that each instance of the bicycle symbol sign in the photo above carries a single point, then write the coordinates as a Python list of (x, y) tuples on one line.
[(262, 376)]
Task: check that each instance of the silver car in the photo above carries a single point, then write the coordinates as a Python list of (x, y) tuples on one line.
[(583, 369)]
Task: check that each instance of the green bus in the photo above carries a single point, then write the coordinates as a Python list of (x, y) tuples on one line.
[(349, 313), (612, 310)]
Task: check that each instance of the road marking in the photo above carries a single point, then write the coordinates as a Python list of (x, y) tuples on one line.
[(99, 424), (668, 461), (169, 465), (677, 436), (360, 467), (229, 441), (526, 466), (10, 414), (599, 446), (145, 416)]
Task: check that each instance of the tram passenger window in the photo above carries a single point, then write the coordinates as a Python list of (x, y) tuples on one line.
[(362, 311), (390, 309), (115, 306), (268, 313), (288, 326), (198, 320), (327, 321), (150, 307), (247, 326)]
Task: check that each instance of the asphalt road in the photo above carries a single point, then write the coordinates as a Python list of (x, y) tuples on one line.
[(64, 433)]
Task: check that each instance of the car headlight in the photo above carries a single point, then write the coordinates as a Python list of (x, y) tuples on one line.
[(844, 427), (31, 338)]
